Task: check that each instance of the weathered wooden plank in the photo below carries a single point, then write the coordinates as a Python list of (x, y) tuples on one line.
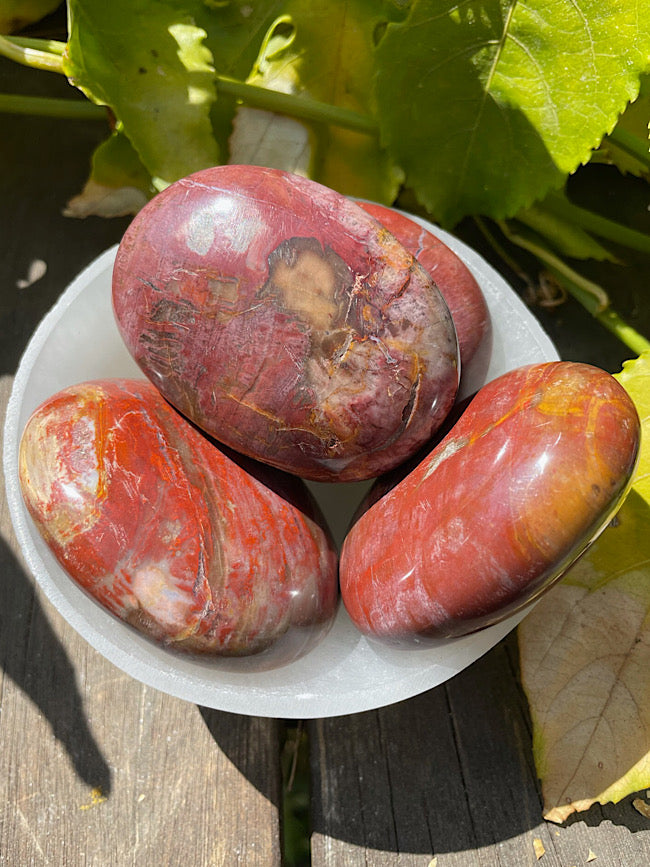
[(449, 774), (96, 768), (373, 775)]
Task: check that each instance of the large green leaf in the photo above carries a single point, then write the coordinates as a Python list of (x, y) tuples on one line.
[(147, 61), (322, 50), (585, 654), (500, 99)]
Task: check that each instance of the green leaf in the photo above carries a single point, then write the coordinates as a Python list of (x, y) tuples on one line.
[(324, 51), (147, 61), (118, 184), (564, 235), (263, 137), (634, 120), (585, 654), (488, 104), (16, 14), (235, 30)]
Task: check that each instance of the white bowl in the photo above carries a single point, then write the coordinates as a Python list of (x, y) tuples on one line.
[(345, 672)]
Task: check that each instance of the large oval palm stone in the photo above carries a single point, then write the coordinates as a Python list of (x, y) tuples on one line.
[(286, 322), (163, 529), (525, 480)]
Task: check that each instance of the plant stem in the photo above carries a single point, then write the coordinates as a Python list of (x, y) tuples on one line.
[(296, 106), (47, 55), (608, 317), (609, 229), (592, 296), (50, 46), (631, 144), (43, 106), (501, 251), (625, 333), (27, 55)]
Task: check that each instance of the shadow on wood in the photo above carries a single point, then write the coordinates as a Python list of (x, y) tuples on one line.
[(447, 771), (252, 745), (34, 658), (624, 813)]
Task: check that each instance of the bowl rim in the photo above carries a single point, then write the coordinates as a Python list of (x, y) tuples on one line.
[(321, 686)]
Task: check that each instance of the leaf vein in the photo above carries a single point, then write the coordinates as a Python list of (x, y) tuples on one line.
[(500, 43), (607, 700)]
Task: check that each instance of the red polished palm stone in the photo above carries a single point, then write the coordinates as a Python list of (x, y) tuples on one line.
[(286, 322), (165, 530), (524, 481)]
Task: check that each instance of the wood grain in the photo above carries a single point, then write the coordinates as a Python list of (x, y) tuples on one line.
[(449, 775), (96, 768)]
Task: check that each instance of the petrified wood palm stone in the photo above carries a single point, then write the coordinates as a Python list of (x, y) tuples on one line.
[(523, 482), (165, 530), (286, 322)]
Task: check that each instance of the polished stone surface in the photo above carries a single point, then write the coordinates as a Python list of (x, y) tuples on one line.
[(168, 532), (286, 322), (453, 278), (528, 476)]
